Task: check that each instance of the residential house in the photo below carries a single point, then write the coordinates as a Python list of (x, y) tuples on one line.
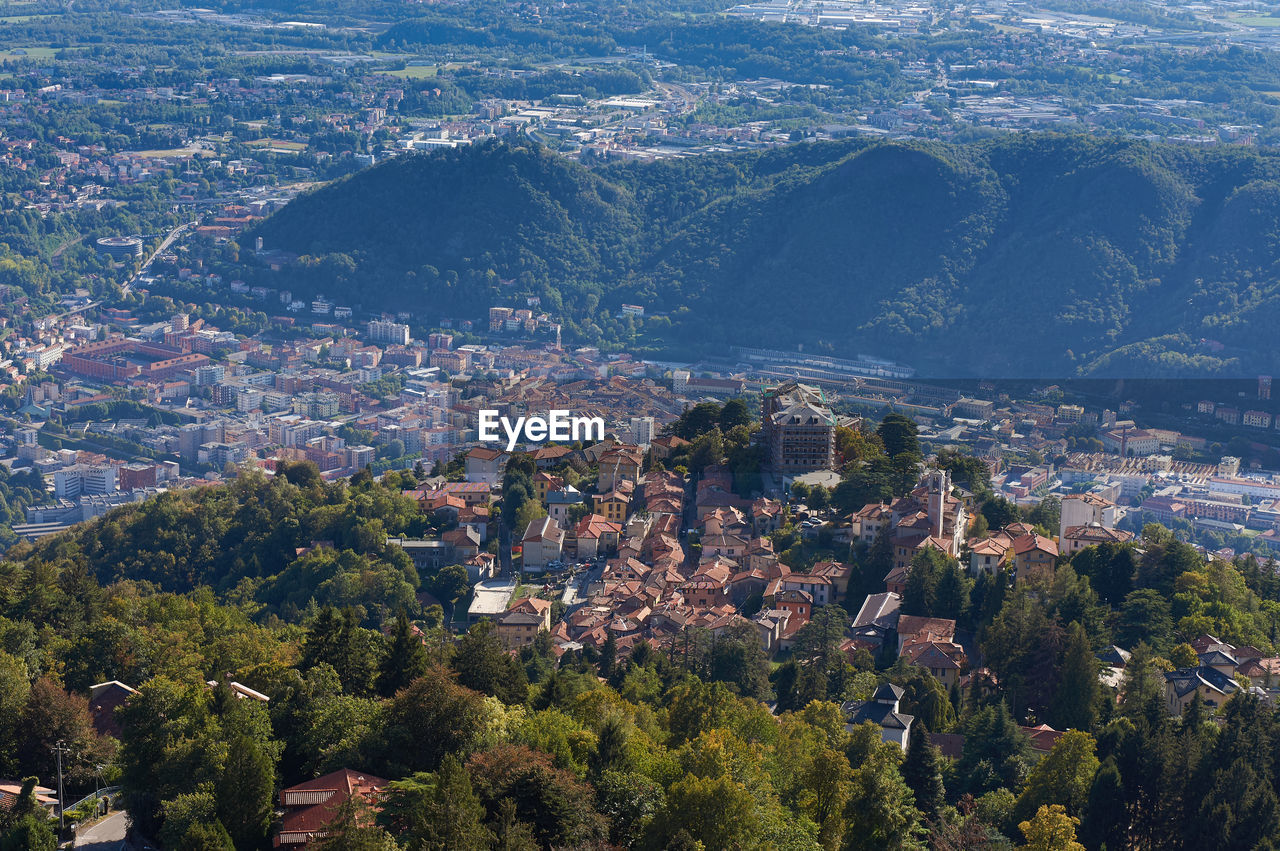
[(10, 790), (472, 493), (543, 543), (521, 623), (819, 588), (464, 541), (1076, 538), (877, 617), (913, 629), (872, 519), (596, 536), (545, 483), (666, 446), (1034, 557), (943, 660), (104, 700), (990, 555), (480, 567), (881, 710), (1085, 509), (485, 465), (310, 807), (772, 625), (546, 457), (560, 504), (613, 505), (796, 603), (766, 516), (620, 464), (1213, 686)]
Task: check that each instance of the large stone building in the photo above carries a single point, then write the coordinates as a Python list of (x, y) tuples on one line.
[(799, 430)]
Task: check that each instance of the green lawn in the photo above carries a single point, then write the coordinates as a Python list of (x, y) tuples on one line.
[(414, 72), (1257, 21), (31, 53)]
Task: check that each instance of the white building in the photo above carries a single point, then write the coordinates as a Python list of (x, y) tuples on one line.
[(642, 429), (71, 482), (379, 331), (1086, 509)]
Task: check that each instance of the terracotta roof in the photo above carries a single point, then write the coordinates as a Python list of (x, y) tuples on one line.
[(311, 806), (916, 625), (1029, 542)]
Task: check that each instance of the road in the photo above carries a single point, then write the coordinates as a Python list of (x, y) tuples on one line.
[(106, 835), (168, 240), (575, 591)]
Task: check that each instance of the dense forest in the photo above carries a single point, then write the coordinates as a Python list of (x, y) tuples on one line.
[(1033, 255)]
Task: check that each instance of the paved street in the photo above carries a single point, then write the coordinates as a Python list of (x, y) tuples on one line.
[(106, 835)]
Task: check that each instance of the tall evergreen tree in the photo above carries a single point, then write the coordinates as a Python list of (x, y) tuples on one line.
[(1064, 776), (436, 811), (483, 665), (996, 753), (1105, 815), (245, 792), (1075, 702), (899, 434), (922, 771), (881, 812), (952, 594), (406, 658)]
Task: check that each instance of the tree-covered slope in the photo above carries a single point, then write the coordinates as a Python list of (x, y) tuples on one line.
[(1032, 255)]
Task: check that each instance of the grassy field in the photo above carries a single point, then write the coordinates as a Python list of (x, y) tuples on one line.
[(414, 72), (22, 19), (1258, 21), (277, 143), (30, 53)]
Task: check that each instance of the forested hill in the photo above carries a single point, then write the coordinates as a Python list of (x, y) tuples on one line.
[(1039, 255)]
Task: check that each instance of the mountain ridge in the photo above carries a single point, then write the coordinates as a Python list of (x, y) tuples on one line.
[(1044, 254)]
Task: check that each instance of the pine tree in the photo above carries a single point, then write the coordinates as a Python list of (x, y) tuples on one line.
[(1240, 811), (920, 596), (952, 592), (881, 812), (1105, 815), (922, 771), (611, 746), (608, 656), (406, 658), (482, 665), (1075, 703), (436, 812), (996, 752), (245, 792)]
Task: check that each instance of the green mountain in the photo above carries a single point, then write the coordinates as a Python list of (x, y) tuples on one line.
[(1037, 255)]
